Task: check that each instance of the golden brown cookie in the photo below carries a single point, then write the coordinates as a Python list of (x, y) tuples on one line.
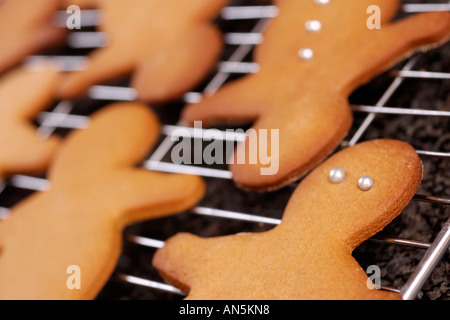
[(23, 95), (26, 27), (95, 192), (309, 255), (314, 55), (170, 45)]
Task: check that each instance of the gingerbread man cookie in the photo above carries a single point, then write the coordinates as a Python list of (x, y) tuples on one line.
[(95, 192), (26, 27), (342, 203), (314, 55), (23, 95), (170, 44)]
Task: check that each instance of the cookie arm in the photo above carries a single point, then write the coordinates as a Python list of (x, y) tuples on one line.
[(23, 149), (24, 94), (173, 68), (25, 28), (241, 101), (142, 194), (27, 152), (18, 49), (383, 48), (415, 32), (103, 65), (179, 259), (422, 29)]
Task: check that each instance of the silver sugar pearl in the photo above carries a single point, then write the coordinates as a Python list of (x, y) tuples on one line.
[(365, 183), (306, 54), (313, 25), (337, 175)]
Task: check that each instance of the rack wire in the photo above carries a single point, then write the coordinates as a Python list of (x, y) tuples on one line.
[(241, 44)]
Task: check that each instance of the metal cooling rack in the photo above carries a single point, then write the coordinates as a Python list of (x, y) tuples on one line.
[(240, 44)]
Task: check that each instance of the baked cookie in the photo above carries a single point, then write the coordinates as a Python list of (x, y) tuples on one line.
[(314, 55), (95, 192), (170, 45), (343, 202), (23, 95), (26, 27)]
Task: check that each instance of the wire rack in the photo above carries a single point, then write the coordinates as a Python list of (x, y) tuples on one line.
[(243, 23)]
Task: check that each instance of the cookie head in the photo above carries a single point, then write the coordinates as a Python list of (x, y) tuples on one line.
[(358, 191)]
